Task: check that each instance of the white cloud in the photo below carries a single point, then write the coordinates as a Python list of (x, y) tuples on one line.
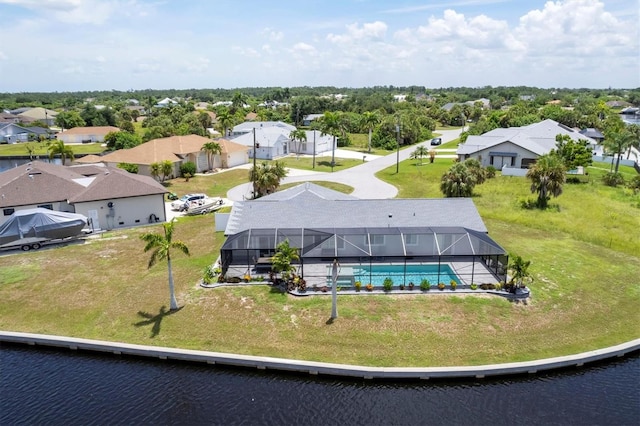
[(198, 65), (246, 51), (369, 31), (272, 34), (303, 48)]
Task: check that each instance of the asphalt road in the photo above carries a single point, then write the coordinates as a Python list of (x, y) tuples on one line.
[(362, 177)]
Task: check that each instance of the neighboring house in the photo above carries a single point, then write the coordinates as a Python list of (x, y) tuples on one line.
[(44, 115), (12, 133), (399, 98), (517, 146), (7, 117), (309, 118), (166, 102), (325, 225), (201, 105), (177, 150), (233, 154), (270, 142), (248, 126), (592, 133), (617, 104), (110, 197), (141, 110), (86, 134), (315, 138)]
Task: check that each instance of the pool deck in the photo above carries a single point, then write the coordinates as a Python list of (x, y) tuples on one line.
[(319, 274)]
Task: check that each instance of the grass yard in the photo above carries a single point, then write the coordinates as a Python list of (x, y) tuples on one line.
[(323, 164), (585, 258), (41, 149)]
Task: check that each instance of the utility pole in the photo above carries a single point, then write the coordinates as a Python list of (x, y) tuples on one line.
[(253, 175), (314, 149), (398, 142)]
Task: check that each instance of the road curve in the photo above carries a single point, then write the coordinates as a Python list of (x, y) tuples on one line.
[(362, 177)]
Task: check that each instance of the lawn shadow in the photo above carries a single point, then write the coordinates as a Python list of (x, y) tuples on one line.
[(156, 320)]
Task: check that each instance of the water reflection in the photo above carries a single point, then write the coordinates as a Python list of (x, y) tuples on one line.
[(49, 387)]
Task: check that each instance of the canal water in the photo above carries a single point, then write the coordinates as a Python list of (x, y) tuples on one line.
[(50, 387)]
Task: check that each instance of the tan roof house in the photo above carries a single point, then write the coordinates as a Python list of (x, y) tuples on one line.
[(45, 115), (110, 197), (86, 134), (177, 150)]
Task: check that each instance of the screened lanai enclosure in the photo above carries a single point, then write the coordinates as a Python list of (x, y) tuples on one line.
[(369, 255)]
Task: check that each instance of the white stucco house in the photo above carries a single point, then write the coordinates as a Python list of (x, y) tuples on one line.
[(517, 147), (110, 197)]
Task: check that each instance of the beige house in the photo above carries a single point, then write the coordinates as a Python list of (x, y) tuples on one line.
[(178, 150), (86, 134), (110, 197)]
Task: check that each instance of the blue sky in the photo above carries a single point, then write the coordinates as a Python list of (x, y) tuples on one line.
[(69, 45)]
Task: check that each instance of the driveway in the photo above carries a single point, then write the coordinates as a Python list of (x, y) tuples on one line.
[(362, 177)]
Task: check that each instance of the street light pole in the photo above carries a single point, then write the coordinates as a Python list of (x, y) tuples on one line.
[(314, 149)]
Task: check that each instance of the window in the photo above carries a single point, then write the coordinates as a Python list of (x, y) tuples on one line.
[(377, 240), (46, 206), (8, 212), (411, 239)]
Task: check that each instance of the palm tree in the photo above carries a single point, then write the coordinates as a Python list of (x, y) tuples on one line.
[(238, 101), (547, 176), (458, 181), (166, 169), (154, 169), (212, 149), (331, 124), (635, 143), (519, 270), (369, 120), (58, 147), (618, 142), (225, 121), (284, 256), (266, 177), (420, 152), (298, 135), (162, 246)]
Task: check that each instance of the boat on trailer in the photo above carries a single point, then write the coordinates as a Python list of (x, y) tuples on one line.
[(204, 206), (31, 228)]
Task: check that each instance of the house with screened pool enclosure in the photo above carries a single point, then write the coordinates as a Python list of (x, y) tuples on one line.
[(409, 239)]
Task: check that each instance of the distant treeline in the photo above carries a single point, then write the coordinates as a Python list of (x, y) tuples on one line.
[(498, 96)]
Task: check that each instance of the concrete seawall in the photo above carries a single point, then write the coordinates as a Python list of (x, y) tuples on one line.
[(321, 368)]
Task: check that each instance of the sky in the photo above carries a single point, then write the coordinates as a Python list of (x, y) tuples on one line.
[(75, 45)]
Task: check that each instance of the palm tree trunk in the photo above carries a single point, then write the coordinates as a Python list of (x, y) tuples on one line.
[(369, 140), (333, 154), (172, 294)]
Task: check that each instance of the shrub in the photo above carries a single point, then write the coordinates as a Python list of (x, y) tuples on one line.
[(490, 172), (473, 286), (369, 287), (387, 284), (131, 168), (441, 286), (358, 285), (497, 286), (425, 285), (487, 286), (209, 274), (401, 286), (613, 179), (634, 184), (453, 284), (188, 169)]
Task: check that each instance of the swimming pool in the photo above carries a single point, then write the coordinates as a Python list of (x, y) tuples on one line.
[(401, 274)]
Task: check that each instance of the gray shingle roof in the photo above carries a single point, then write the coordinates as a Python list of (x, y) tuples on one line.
[(539, 138), (308, 209)]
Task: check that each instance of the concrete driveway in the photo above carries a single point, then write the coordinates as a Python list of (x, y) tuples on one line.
[(362, 177)]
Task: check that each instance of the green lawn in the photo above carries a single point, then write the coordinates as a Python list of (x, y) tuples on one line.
[(41, 149), (585, 258)]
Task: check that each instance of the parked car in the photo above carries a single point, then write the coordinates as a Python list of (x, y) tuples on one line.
[(184, 201), (436, 141)]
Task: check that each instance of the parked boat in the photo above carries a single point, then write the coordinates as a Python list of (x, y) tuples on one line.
[(30, 228), (204, 206)]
